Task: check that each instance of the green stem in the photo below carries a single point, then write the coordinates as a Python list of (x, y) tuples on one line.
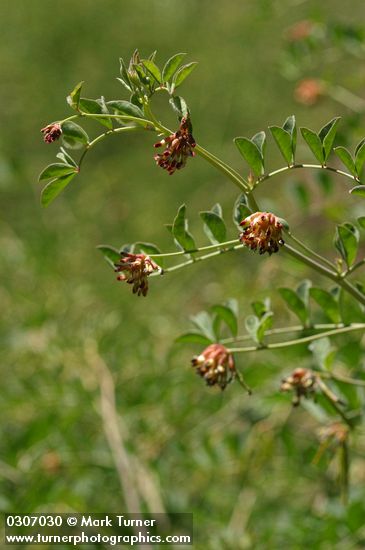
[(222, 167), (243, 186), (195, 250), (284, 330), (298, 341), (241, 380), (355, 266), (333, 400), (341, 378), (310, 251), (212, 159), (149, 113), (67, 119), (298, 166), (359, 296), (199, 259), (252, 202)]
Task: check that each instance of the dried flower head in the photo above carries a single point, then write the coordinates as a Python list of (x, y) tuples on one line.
[(302, 381), (262, 231), (178, 147), (308, 91), (216, 365), (51, 132), (134, 269)]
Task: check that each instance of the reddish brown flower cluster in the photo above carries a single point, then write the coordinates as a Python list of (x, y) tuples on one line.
[(302, 382), (134, 269), (216, 365), (262, 231), (178, 147), (308, 91), (51, 132)]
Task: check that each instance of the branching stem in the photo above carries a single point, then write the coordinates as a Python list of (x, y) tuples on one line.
[(199, 259), (242, 184), (298, 166), (298, 341), (340, 378), (284, 330), (195, 250), (310, 251), (359, 296)]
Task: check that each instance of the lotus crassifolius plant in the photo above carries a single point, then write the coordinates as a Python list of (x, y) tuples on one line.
[(254, 230)]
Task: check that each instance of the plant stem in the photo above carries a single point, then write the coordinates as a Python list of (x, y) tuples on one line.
[(298, 341), (242, 185), (355, 266), (212, 159), (243, 383), (297, 166), (222, 167), (344, 379), (359, 296), (333, 400), (201, 249), (310, 251), (284, 330), (199, 259), (252, 202)]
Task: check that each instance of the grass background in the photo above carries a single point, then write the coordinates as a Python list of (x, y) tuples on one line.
[(241, 465)]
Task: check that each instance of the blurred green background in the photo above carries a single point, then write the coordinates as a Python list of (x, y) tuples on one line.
[(243, 466)]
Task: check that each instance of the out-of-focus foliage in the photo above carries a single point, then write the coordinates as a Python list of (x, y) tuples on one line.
[(243, 465)]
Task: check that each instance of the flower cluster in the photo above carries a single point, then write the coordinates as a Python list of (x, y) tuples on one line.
[(262, 231), (178, 147), (302, 381), (301, 30), (134, 270), (309, 91), (51, 132), (216, 365)]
